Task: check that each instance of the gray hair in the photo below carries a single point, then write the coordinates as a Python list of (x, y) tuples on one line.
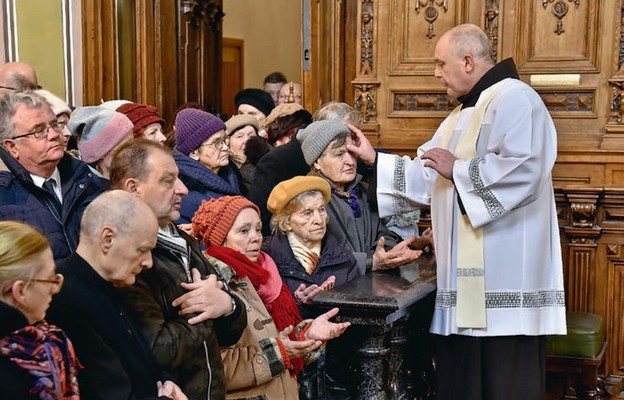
[(470, 39), (334, 110), (279, 221), (8, 107), (117, 209)]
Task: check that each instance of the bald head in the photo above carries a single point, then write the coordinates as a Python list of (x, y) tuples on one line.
[(117, 209), (117, 233), (17, 77), (462, 56), (470, 39)]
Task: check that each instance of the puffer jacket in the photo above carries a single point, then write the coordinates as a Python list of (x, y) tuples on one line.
[(361, 234), (202, 184), (23, 201), (189, 352), (254, 367), (335, 260)]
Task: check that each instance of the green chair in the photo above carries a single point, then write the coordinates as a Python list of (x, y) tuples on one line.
[(578, 356)]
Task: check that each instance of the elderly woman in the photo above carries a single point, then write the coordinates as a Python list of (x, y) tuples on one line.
[(36, 359), (284, 122), (147, 122), (351, 220), (240, 129), (99, 131), (267, 358), (201, 154), (308, 258)]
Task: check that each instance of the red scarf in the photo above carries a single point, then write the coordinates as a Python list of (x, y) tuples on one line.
[(45, 352), (282, 309)]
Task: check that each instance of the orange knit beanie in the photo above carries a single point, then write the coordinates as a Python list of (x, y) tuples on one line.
[(214, 218)]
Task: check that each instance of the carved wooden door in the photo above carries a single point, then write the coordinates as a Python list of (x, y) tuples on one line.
[(570, 51)]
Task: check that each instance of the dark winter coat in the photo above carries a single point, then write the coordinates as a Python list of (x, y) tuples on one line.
[(281, 163), (335, 260), (361, 234), (23, 201), (189, 352), (115, 355), (202, 184)]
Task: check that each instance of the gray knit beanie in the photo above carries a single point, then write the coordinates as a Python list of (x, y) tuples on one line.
[(317, 136)]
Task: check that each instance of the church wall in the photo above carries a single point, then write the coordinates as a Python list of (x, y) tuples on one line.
[(271, 30)]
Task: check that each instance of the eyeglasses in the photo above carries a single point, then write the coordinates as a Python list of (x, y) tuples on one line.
[(218, 143), (41, 132), (57, 280)]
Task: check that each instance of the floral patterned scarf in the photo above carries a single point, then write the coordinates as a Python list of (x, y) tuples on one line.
[(47, 354)]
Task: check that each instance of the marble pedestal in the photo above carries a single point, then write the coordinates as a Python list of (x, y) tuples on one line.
[(390, 313)]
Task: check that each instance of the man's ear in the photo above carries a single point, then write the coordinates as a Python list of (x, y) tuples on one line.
[(107, 237), (11, 148), (131, 185), (468, 63)]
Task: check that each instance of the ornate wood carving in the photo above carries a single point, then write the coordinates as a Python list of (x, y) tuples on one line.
[(367, 21), (365, 86), (583, 207), (559, 10), (415, 102), (431, 12), (366, 101), (491, 25), (199, 11), (621, 47), (578, 101), (617, 106)]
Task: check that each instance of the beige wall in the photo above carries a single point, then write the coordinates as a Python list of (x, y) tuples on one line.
[(271, 30), (39, 26)]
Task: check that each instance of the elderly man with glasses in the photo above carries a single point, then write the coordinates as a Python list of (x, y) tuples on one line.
[(39, 183)]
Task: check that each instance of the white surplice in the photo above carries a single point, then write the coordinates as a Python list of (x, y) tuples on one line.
[(507, 190)]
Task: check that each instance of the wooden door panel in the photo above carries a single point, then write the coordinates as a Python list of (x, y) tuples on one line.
[(547, 43)]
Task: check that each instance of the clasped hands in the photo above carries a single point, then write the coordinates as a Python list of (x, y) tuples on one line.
[(204, 297)]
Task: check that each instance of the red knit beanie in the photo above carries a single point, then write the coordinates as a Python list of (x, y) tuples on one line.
[(214, 218), (141, 116)]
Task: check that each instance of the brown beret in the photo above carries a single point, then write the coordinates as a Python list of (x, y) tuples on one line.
[(237, 122), (282, 110)]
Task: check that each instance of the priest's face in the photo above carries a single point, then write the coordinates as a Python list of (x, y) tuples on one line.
[(451, 68)]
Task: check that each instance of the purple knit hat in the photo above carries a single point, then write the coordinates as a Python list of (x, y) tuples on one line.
[(99, 131), (193, 127)]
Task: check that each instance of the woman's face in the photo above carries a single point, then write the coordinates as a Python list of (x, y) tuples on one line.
[(309, 222), (245, 236), (154, 133), (239, 139), (38, 294), (213, 152), (337, 164)]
